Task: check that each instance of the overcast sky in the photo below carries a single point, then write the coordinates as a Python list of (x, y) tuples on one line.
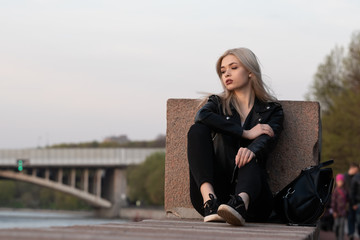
[(74, 71)]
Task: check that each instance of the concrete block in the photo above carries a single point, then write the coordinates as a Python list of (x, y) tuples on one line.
[(298, 147)]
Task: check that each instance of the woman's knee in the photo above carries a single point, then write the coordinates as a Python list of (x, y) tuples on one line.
[(198, 130)]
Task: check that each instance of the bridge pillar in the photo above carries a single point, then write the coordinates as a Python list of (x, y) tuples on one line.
[(73, 177), (114, 191), (47, 174), (85, 180), (59, 176), (97, 182)]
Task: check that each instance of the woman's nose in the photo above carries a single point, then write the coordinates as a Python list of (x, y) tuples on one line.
[(227, 72)]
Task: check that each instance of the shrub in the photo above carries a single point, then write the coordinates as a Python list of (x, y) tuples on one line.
[(146, 180)]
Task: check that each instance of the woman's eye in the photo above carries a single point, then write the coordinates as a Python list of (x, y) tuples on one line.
[(222, 72), (234, 68)]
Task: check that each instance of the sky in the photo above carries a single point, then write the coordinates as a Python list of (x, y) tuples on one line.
[(77, 71)]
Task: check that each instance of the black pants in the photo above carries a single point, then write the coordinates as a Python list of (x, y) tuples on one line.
[(206, 167)]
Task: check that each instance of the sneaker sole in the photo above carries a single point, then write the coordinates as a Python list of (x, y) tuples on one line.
[(213, 218), (230, 215)]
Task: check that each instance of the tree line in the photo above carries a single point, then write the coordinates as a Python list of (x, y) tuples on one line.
[(116, 142), (336, 86)]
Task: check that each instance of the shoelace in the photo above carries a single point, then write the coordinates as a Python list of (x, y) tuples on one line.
[(207, 203)]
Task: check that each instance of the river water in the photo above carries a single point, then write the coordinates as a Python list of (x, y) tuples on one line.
[(40, 218)]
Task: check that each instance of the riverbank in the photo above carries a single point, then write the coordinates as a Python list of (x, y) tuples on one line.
[(36, 218), (30, 218)]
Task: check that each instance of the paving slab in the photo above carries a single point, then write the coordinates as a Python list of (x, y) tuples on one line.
[(164, 229)]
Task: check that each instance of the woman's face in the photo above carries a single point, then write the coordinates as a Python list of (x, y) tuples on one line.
[(233, 74)]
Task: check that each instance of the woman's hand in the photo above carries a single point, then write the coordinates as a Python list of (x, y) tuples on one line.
[(243, 156), (258, 130)]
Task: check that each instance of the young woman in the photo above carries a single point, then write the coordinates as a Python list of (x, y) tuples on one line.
[(229, 143)]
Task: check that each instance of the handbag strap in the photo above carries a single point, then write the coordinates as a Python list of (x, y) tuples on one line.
[(320, 165), (324, 164)]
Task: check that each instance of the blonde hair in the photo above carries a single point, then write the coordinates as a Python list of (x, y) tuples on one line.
[(249, 60)]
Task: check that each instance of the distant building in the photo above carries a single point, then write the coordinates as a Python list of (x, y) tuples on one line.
[(121, 139)]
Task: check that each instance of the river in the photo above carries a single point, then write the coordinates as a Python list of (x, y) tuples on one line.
[(29, 218)]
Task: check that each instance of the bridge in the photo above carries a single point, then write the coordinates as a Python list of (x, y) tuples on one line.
[(97, 176)]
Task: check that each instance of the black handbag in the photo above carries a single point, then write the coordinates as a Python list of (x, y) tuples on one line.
[(303, 201)]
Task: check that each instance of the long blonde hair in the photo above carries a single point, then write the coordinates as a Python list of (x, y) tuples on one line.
[(249, 60)]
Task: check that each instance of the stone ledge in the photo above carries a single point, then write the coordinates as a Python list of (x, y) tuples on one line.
[(298, 147)]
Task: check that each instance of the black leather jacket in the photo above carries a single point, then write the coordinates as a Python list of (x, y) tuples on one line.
[(355, 190), (227, 130)]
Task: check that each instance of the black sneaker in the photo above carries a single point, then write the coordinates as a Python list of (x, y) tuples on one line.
[(210, 208), (234, 211)]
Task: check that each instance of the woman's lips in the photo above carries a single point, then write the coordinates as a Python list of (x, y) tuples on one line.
[(229, 81)]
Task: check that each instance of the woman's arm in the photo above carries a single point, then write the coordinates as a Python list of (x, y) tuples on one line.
[(265, 142), (264, 136), (258, 130), (210, 115)]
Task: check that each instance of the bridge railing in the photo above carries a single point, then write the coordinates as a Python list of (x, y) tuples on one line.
[(76, 157)]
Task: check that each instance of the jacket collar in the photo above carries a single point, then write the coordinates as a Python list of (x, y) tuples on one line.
[(260, 106)]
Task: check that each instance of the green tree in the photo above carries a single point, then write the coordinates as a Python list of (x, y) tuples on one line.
[(341, 131), (352, 63), (155, 184), (146, 181), (16, 194), (336, 86), (7, 193), (328, 81)]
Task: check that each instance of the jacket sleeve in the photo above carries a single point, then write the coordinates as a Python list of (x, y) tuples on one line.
[(210, 115), (263, 144)]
